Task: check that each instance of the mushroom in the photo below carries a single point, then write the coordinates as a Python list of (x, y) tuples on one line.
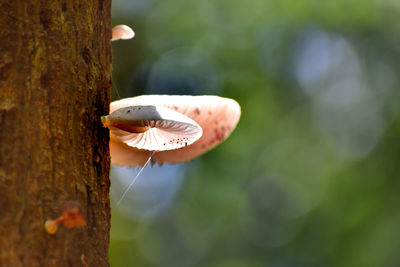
[(152, 128), (71, 216), (122, 32), (217, 117)]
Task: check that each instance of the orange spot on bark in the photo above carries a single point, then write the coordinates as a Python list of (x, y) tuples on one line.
[(84, 260)]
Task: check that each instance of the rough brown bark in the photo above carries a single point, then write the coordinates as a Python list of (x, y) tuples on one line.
[(55, 79)]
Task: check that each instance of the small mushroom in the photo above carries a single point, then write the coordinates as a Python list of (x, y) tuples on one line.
[(152, 128), (71, 216), (217, 117), (122, 32)]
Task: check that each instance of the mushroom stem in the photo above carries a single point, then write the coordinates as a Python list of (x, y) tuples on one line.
[(105, 121)]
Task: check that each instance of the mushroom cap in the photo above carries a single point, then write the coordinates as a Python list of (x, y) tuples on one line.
[(217, 116), (152, 128), (122, 32)]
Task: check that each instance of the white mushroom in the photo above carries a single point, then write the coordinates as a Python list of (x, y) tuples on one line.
[(217, 117), (122, 32), (152, 128)]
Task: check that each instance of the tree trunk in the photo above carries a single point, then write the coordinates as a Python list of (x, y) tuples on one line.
[(55, 80)]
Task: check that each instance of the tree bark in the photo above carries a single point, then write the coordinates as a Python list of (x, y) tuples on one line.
[(55, 80)]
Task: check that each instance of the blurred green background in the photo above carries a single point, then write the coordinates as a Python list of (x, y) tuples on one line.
[(310, 177)]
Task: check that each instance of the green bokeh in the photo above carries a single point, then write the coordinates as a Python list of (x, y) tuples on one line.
[(310, 176)]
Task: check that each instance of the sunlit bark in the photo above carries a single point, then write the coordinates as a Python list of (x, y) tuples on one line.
[(55, 79)]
